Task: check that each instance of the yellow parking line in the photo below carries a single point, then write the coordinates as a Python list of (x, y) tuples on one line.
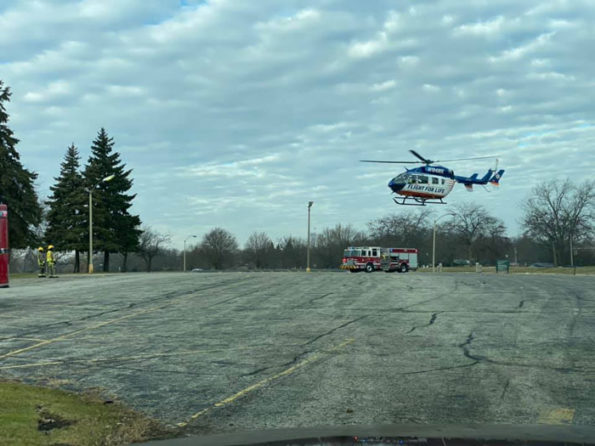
[(22, 339), (561, 415), (130, 358), (265, 381), (99, 360), (26, 366), (82, 330)]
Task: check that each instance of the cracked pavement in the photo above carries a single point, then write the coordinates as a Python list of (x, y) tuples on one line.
[(225, 352)]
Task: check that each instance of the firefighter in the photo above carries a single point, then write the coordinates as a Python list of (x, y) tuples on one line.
[(41, 262), (49, 260)]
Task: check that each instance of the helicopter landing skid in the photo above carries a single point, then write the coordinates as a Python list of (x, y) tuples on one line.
[(417, 201)]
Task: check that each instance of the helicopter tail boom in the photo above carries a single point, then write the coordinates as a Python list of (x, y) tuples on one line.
[(468, 182)]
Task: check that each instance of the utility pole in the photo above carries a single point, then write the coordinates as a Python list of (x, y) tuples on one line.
[(310, 203), (186, 239), (90, 190), (434, 243)]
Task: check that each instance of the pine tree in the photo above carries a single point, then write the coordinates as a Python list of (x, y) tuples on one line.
[(16, 185), (114, 228), (67, 218)]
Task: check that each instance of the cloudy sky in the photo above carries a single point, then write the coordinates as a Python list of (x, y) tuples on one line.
[(235, 113)]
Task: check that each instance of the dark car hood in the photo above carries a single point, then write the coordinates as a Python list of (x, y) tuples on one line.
[(400, 434)]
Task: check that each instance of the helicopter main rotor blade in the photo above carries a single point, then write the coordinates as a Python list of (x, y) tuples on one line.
[(389, 162), (417, 155), (465, 159)]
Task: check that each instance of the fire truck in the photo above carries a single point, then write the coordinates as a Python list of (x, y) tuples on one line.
[(372, 258)]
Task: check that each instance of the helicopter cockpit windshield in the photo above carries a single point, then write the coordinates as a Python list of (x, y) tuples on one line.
[(398, 182), (401, 178)]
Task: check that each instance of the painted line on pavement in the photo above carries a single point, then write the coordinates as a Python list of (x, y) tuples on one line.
[(82, 330), (22, 339), (561, 415), (124, 358), (102, 324), (315, 357), (96, 326)]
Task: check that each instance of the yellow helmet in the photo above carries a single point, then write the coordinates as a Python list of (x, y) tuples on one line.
[(51, 247), (40, 249)]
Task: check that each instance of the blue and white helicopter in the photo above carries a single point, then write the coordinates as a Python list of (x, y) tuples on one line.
[(429, 184)]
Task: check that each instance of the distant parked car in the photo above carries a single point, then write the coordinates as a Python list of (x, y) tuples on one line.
[(542, 265), (461, 262), (197, 270)]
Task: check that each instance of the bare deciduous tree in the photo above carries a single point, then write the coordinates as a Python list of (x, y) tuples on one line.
[(150, 245), (400, 229), (331, 243), (473, 225), (219, 248), (260, 249), (292, 252), (557, 213)]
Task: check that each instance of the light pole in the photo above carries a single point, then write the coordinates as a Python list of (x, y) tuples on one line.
[(185, 240), (434, 243), (310, 203), (90, 190)]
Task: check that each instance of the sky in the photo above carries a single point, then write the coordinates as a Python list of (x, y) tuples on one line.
[(237, 113)]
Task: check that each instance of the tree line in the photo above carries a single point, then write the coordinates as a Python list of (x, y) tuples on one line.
[(467, 233), (558, 219)]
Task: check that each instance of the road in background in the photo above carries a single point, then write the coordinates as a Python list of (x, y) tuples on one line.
[(224, 352)]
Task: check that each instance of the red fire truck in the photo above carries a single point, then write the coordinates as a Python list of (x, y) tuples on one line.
[(371, 258)]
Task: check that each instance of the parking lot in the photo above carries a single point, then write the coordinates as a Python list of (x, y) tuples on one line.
[(225, 352)]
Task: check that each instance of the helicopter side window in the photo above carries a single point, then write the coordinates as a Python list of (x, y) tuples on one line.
[(435, 180), (423, 179), (442, 180)]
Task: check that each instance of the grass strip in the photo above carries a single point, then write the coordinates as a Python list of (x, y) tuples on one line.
[(31, 415)]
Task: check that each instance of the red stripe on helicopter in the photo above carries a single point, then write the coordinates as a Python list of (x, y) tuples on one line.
[(412, 193)]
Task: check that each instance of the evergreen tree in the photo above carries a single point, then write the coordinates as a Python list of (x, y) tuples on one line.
[(114, 228), (16, 185), (67, 218)]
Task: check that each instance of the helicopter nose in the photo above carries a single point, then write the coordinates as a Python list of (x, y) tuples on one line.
[(396, 185)]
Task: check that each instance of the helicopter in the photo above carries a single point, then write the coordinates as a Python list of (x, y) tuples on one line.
[(430, 183)]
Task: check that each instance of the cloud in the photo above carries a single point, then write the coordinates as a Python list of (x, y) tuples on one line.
[(488, 28), (383, 86), (520, 51), (382, 40), (236, 114)]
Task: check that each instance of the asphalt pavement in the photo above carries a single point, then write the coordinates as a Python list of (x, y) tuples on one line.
[(228, 352)]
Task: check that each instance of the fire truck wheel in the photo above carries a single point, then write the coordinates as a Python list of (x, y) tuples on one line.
[(369, 267), (403, 268)]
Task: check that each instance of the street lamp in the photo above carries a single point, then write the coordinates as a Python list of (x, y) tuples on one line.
[(90, 190), (434, 243), (190, 236), (310, 203)]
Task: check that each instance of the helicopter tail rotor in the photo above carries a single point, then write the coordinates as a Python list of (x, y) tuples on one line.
[(495, 180)]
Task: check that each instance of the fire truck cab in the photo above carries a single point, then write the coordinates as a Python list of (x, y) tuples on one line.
[(362, 258)]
